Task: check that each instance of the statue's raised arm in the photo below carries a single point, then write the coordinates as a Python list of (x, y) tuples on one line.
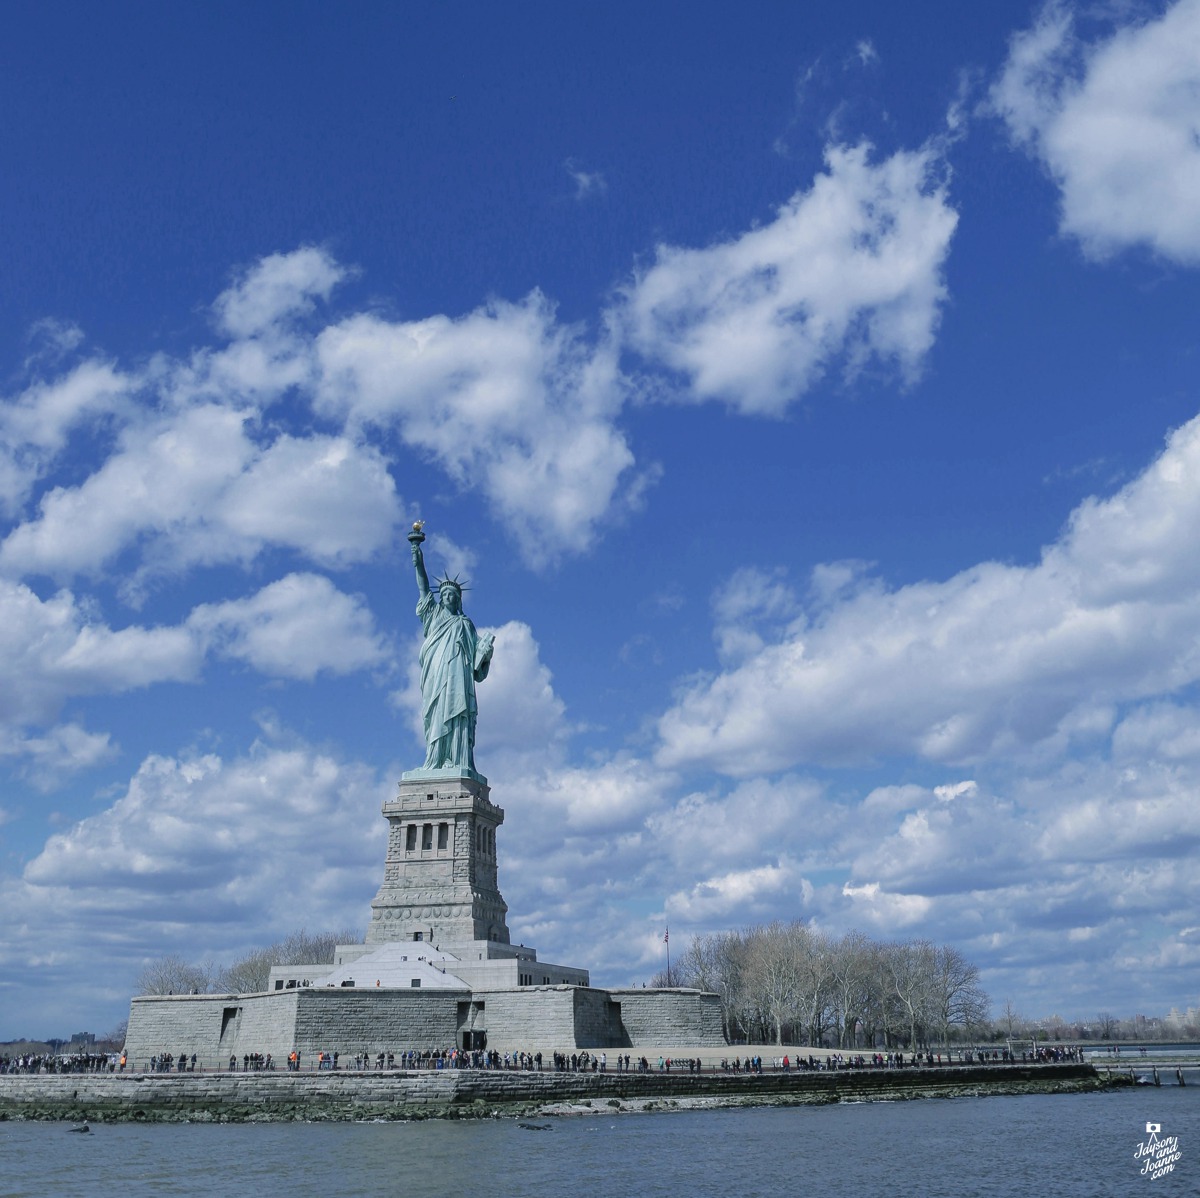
[(414, 539), (453, 658)]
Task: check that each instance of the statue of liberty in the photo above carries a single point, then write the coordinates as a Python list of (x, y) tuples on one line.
[(453, 658)]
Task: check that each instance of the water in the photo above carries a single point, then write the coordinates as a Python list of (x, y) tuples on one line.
[(1071, 1146)]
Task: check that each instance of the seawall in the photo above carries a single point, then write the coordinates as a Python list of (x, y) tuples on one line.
[(467, 1093)]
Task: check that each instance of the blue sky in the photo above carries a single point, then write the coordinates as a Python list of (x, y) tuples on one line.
[(810, 396)]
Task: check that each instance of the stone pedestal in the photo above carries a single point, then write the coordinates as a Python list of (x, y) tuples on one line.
[(439, 882)]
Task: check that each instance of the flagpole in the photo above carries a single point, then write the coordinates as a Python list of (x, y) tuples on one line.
[(667, 942)]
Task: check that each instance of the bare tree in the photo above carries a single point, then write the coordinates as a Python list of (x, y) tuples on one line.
[(747, 1010), (114, 1039), (850, 980), (773, 972), (1011, 1021), (717, 963), (714, 964), (304, 948), (785, 979), (956, 997), (250, 974), (698, 966), (815, 1005), (911, 966), (882, 1017), (728, 975), (173, 975)]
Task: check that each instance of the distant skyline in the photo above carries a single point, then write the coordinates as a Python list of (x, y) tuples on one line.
[(809, 397)]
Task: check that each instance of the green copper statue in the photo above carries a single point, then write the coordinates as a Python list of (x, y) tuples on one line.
[(453, 658)]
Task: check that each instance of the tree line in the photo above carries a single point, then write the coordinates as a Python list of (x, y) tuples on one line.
[(784, 983), (176, 975)]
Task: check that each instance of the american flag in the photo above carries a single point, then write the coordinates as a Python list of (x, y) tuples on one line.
[(667, 936)]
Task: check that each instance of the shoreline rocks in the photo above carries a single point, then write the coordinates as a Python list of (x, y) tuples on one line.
[(471, 1094)]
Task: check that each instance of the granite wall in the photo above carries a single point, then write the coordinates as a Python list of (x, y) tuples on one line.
[(688, 1018), (350, 1020), (353, 1020), (213, 1026)]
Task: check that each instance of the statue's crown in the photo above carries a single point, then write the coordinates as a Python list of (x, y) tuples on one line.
[(454, 582)]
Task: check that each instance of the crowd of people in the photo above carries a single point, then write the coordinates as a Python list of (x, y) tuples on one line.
[(71, 1062), (923, 1060), (252, 1062), (559, 1062), (168, 1062)]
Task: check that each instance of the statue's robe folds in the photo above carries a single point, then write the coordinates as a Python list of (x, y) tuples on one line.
[(449, 671)]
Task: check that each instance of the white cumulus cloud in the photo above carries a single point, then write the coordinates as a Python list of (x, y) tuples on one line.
[(1116, 124), (849, 271), (506, 400), (202, 856), (54, 649), (296, 627), (62, 750), (275, 288), (193, 487), (35, 424), (996, 660)]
